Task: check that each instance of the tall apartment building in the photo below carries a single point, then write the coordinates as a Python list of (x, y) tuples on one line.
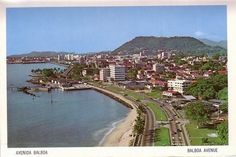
[(164, 55), (158, 68), (104, 74), (117, 72), (69, 57), (178, 85)]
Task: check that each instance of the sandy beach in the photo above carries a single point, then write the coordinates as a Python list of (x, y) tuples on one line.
[(120, 136)]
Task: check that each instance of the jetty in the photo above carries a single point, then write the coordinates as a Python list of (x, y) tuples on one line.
[(75, 87), (25, 90)]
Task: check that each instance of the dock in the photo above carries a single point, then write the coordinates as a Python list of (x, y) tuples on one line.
[(76, 87)]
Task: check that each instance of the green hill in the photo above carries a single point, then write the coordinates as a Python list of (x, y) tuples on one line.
[(151, 45), (222, 43)]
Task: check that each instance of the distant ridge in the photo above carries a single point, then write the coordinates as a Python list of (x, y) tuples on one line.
[(181, 44), (150, 45), (222, 43), (53, 53), (39, 54)]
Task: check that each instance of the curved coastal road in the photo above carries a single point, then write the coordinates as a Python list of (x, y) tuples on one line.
[(177, 131), (149, 130), (147, 139)]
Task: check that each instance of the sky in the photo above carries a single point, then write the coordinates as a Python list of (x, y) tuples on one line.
[(93, 29)]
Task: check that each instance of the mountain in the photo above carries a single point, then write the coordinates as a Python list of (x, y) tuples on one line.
[(222, 43), (40, 54), (53, 53), (151, 45)]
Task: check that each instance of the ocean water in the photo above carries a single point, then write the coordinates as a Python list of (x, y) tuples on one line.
[(57, 119)]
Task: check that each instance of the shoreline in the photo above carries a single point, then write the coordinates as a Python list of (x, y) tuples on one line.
[(110, 130), (120, 134)]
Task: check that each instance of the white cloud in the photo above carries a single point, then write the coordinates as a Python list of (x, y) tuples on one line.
[(199, 33)]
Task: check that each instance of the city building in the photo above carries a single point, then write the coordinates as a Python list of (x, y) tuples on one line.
[(69, 57), (104, 74), (159, 68), (117, 72), (170, 93), (164, 55), (59, 57), (178, 85)]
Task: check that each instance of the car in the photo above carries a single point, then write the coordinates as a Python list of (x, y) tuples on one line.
[(177, 122), (179, 130)]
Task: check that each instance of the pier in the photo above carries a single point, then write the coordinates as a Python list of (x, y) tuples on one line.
[(76, 87)]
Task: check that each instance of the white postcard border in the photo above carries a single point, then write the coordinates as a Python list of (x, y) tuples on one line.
[(121, 151)]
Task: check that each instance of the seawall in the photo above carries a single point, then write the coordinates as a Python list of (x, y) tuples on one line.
[(116, 97)]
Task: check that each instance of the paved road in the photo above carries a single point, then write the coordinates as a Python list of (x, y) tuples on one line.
[(177, 131), (149, 131)]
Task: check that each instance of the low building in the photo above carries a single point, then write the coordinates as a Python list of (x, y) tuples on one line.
[(159, 68), (96, 77), (170, 93), (189, 97), (158, 83), (149, 73), (178, 85)]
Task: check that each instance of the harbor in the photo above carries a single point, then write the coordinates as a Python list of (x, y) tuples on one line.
[(68, 110)]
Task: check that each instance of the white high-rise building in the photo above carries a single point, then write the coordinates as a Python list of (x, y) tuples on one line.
[(59, 57), (69, 57), (178, 85), (164, 55), (104, 74), (117, 72)]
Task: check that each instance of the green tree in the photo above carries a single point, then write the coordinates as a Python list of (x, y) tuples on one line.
[(216, 56), (132, 73), (48, 72), (208, 88), (222, 130), (196, 111), (196, 66), (219, 81), (170, 75), (180, 62), (211, 65), (139, 122), (224, 107), (202, 89), (223, 94), (205, 140), (76, 72)]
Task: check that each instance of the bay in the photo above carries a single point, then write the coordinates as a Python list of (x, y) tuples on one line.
[(57, 118)]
